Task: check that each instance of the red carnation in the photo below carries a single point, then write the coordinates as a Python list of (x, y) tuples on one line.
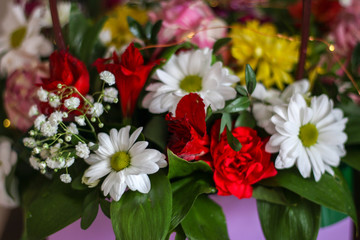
[(188, 128), (67, 70), (130, 75), (235, 172)]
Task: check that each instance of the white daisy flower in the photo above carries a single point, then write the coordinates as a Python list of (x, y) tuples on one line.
[(22, 36), (33, 111), (80, 120), (65, 178), (263, 111), (124, 162), (72, 103), (311, 137), (190, 72), (82, 150), (108, 77), (110, 95)]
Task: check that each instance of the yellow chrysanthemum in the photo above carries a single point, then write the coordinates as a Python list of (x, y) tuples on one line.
[(116, 30), (272, 58)]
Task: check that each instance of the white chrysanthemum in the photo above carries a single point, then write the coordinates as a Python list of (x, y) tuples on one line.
[(80, 120), (56, 117), (65, 178), (54, 100), (311, 137), (48, 129), (108, 77), (97, 110), (124, 162), (72, 103), (42, 94), (21, 38), (39, 121), (263, 110), (110, 95), (190, 72), (33, 111), (82, 150), (72, 129)]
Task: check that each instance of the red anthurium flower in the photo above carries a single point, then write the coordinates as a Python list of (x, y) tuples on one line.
[(188, 129), (236, 172), (130, 75)]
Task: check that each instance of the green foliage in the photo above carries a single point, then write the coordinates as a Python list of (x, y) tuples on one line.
[(220, 43), (205, 220), (250, 79), (298, 221), (331, 191), (245, 119), (143, 216), (233, 141), (237, 105), (90, 209)]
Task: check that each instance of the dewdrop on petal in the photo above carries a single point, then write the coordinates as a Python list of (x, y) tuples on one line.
[(108, 77), (65, 178)]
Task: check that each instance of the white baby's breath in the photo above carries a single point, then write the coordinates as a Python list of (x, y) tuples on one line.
[(108, 77), (42, 94), (72, 103)]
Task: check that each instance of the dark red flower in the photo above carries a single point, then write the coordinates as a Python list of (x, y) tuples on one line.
[(236, 172), (67, 70), (188, 129), (130, 75)]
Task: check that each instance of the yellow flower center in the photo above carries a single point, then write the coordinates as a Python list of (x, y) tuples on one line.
[(120, 160), (17, 37), (191, 83), (308, 134)]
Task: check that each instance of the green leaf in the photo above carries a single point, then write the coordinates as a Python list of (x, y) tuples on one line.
[(94, 147), (352, 112), (233, 141), (225, 122), (171, 50), (273, 195), (77, 184), (89, 40), (329, 217), (148, 28), (185, 191), (105, 207), (208, 113), (136, 28), (154, 31), (54, 201), (181, 168), (245, 119), (156, 131), (355, 59), (250, 79), (219, 43), (205, 220), (241, 90), (296, 222), (143, 216), (90, 209), (352, 157), (330, 191), (180, 235), (237, 105), (78, 25)]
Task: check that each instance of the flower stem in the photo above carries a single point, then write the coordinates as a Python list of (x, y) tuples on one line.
[(56, 25), (305, 26)]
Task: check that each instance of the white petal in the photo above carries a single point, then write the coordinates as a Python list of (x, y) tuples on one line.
[(105, 145), (135, 136), (93, 158), (123, 138), (167, 78), (138, 148), (97, 171), (117, 191), (303, 163), (140, 183), (114, 139), (109, 181)]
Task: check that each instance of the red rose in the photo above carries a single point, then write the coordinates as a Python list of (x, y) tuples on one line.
[(130, 75), (67, 70), (235, 172), (188, 129)]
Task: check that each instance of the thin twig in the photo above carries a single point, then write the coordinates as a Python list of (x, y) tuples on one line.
[(56, 25)]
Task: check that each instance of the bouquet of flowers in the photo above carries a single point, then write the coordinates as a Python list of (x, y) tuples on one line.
[(146, 108)]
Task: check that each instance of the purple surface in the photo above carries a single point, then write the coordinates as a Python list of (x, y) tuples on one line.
[(241, 216)]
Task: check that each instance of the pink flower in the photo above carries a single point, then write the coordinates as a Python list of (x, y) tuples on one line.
[(346, 31), (20, 95), (182, 19)]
